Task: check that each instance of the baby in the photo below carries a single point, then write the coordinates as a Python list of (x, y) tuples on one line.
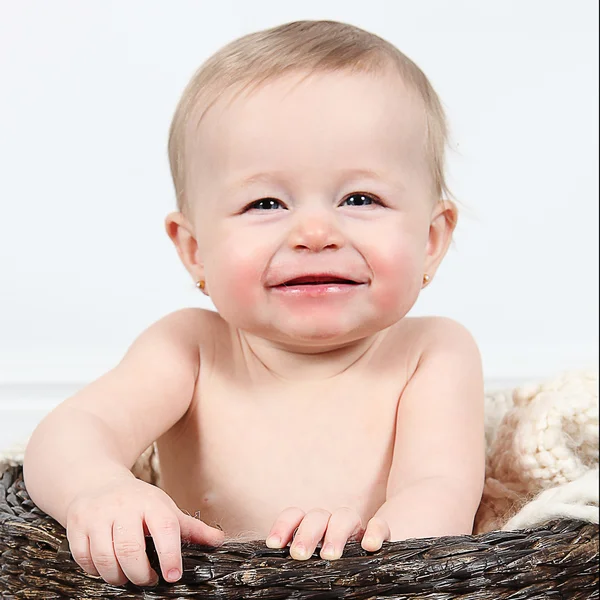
[(309, 410)]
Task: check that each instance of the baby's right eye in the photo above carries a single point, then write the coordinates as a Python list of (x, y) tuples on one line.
[(265, 204)]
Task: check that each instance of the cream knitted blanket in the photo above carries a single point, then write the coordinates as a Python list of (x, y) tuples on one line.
[(542, 454)]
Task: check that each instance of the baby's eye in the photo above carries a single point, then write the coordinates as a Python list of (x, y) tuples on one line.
[(265, 204), (360, 199)]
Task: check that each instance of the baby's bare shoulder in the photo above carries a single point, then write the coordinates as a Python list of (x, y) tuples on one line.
[(193, 325), (432, 330), (415, 337), (187, 316), (176, 339)]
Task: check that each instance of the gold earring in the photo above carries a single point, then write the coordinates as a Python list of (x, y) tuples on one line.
[(200, 285), (426, 279)]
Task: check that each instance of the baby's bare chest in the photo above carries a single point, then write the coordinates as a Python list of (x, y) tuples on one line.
[(306, 431), (254, 455)]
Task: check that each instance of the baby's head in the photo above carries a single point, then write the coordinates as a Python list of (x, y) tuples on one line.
[(310, 148)]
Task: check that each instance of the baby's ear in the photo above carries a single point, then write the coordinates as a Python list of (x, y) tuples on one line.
[(182, 235), (443, 222)]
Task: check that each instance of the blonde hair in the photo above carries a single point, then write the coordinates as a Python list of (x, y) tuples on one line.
[(301, 46)]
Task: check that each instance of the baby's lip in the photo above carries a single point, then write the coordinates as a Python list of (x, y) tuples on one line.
[(318, 278)]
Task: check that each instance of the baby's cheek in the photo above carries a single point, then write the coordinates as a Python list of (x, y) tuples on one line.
[(395, 282), (243, 285), (236, 286)]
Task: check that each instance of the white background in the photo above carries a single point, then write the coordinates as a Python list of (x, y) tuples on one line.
[(87, 91)]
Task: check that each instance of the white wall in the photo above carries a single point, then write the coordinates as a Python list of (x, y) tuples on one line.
[(87, 90)]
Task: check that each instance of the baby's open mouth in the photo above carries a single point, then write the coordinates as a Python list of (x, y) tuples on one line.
[(318, 280)]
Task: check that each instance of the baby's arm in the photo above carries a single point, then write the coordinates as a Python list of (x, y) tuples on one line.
[(77, 463), (438, 468), (98, 434)]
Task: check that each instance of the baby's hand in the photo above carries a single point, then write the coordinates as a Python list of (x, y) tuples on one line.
[(335, 529), (106, 528)]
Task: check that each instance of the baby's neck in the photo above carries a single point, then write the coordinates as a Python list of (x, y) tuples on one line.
[(266, 360)]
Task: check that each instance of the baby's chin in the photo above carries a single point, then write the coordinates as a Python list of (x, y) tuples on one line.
[(314, 339)]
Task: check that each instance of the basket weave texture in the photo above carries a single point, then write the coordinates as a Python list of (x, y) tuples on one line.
[(557, 560)]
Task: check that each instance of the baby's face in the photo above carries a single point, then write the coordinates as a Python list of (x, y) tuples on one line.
[(324, 175)]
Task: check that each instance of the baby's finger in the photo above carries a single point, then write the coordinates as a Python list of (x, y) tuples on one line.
[(103, 555), (196, 531), (164, 528), (376, 533), (343, 525), (79, 547), (130, 549), (283, 529), (310, 533)]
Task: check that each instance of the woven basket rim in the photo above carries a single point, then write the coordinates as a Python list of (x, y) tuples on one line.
[(558, 557)]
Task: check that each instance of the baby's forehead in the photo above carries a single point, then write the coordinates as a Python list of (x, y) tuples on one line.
[(347, 104)]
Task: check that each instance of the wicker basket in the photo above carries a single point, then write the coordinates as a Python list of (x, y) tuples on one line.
[(558, 560)]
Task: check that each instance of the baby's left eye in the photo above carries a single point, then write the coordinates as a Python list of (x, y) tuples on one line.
[(359, 199)]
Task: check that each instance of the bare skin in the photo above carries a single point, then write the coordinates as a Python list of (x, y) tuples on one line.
[(273, 456), (257, 449)]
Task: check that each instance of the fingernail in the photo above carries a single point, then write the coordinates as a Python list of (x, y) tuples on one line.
[(371, 543), (328, 550), (300, 550), (273, 541), (173, 575)]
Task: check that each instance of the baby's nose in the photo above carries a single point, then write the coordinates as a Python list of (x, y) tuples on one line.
[(315, 232)]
